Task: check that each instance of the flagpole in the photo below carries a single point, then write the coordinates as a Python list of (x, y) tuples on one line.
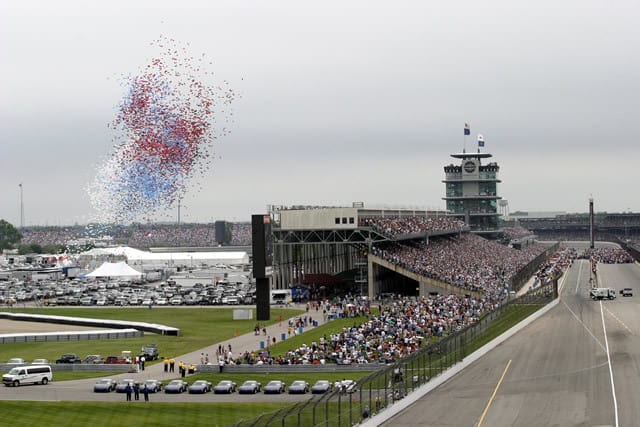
[(467, 131)]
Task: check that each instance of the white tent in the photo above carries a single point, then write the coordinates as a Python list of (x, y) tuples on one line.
[(114, 269)]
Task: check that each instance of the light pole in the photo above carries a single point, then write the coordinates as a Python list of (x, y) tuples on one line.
[(21, 207)]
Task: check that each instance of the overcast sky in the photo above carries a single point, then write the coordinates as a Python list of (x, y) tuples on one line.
[(342, 101)]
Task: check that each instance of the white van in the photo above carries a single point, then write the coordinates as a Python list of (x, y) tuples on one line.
[(33, 374)]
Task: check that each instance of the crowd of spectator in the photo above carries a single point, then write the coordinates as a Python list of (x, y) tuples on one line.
[(394, 227), (145, 236), (467, 261), (555, 265), (139, 235), (49, 235), (515, 232), (608, 255), (399, 328), (240, 234)]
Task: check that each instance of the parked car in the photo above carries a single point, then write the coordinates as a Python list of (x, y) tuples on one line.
[(69, 358), (225, 387), (121, 387), (299, 387), (105, 385), (154, 386), (275, 387), (40, 362), (93, 359), (347, 386), (16, 361), (116, 360), (200, 387), (321, 386), (176, 386), (250, 387)]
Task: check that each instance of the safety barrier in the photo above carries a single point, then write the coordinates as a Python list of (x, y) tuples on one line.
[(70, 336), (100, 323)]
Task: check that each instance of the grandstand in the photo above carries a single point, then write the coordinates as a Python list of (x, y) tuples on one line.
[(617, 227), (398, 251), (141, 236)]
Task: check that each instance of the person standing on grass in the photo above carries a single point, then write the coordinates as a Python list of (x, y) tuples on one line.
[(145, 391), (136, 391), (127, 390)]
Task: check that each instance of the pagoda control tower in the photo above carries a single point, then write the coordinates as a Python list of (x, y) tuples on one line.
[(472, 192)]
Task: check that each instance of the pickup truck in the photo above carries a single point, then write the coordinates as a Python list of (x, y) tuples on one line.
[(69, 358), (150, 352)]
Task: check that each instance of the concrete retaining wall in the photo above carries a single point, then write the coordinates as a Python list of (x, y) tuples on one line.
[(100, 323), (70, 336)]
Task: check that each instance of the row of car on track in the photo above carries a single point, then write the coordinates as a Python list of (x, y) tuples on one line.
[(177, 386)]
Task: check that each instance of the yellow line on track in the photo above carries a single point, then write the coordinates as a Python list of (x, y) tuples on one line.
[(495, 391)]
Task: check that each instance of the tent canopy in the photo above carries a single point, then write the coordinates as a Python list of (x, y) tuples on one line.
[(114, 269)]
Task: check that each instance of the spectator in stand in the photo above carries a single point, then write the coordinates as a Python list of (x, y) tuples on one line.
[(468, 261)]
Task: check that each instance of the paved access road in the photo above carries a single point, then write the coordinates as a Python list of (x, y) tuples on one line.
[(82, 390), (557, 371)]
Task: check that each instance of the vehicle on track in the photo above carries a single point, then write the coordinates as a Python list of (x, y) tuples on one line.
[(626, 292), (105, 385), (176, 387), (225, 387), (250, 387), (322, 386), (200, 387), (121, 387), (299, 387), (153, 386), (275, 387), (602, 293)]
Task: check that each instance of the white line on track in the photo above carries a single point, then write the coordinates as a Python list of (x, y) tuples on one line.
[(585, 327), (613, 386), (619, 321), (579, 275)]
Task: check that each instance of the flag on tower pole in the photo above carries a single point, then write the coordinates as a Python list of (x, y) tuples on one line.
[(467, 129), (480, 140)]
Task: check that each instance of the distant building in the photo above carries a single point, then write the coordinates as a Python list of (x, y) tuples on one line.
[(472, 192)]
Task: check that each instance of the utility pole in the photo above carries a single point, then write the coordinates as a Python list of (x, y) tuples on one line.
[(591, 224), (21, 207)]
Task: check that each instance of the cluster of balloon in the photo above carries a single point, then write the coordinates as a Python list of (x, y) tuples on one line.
[(164, 131)]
